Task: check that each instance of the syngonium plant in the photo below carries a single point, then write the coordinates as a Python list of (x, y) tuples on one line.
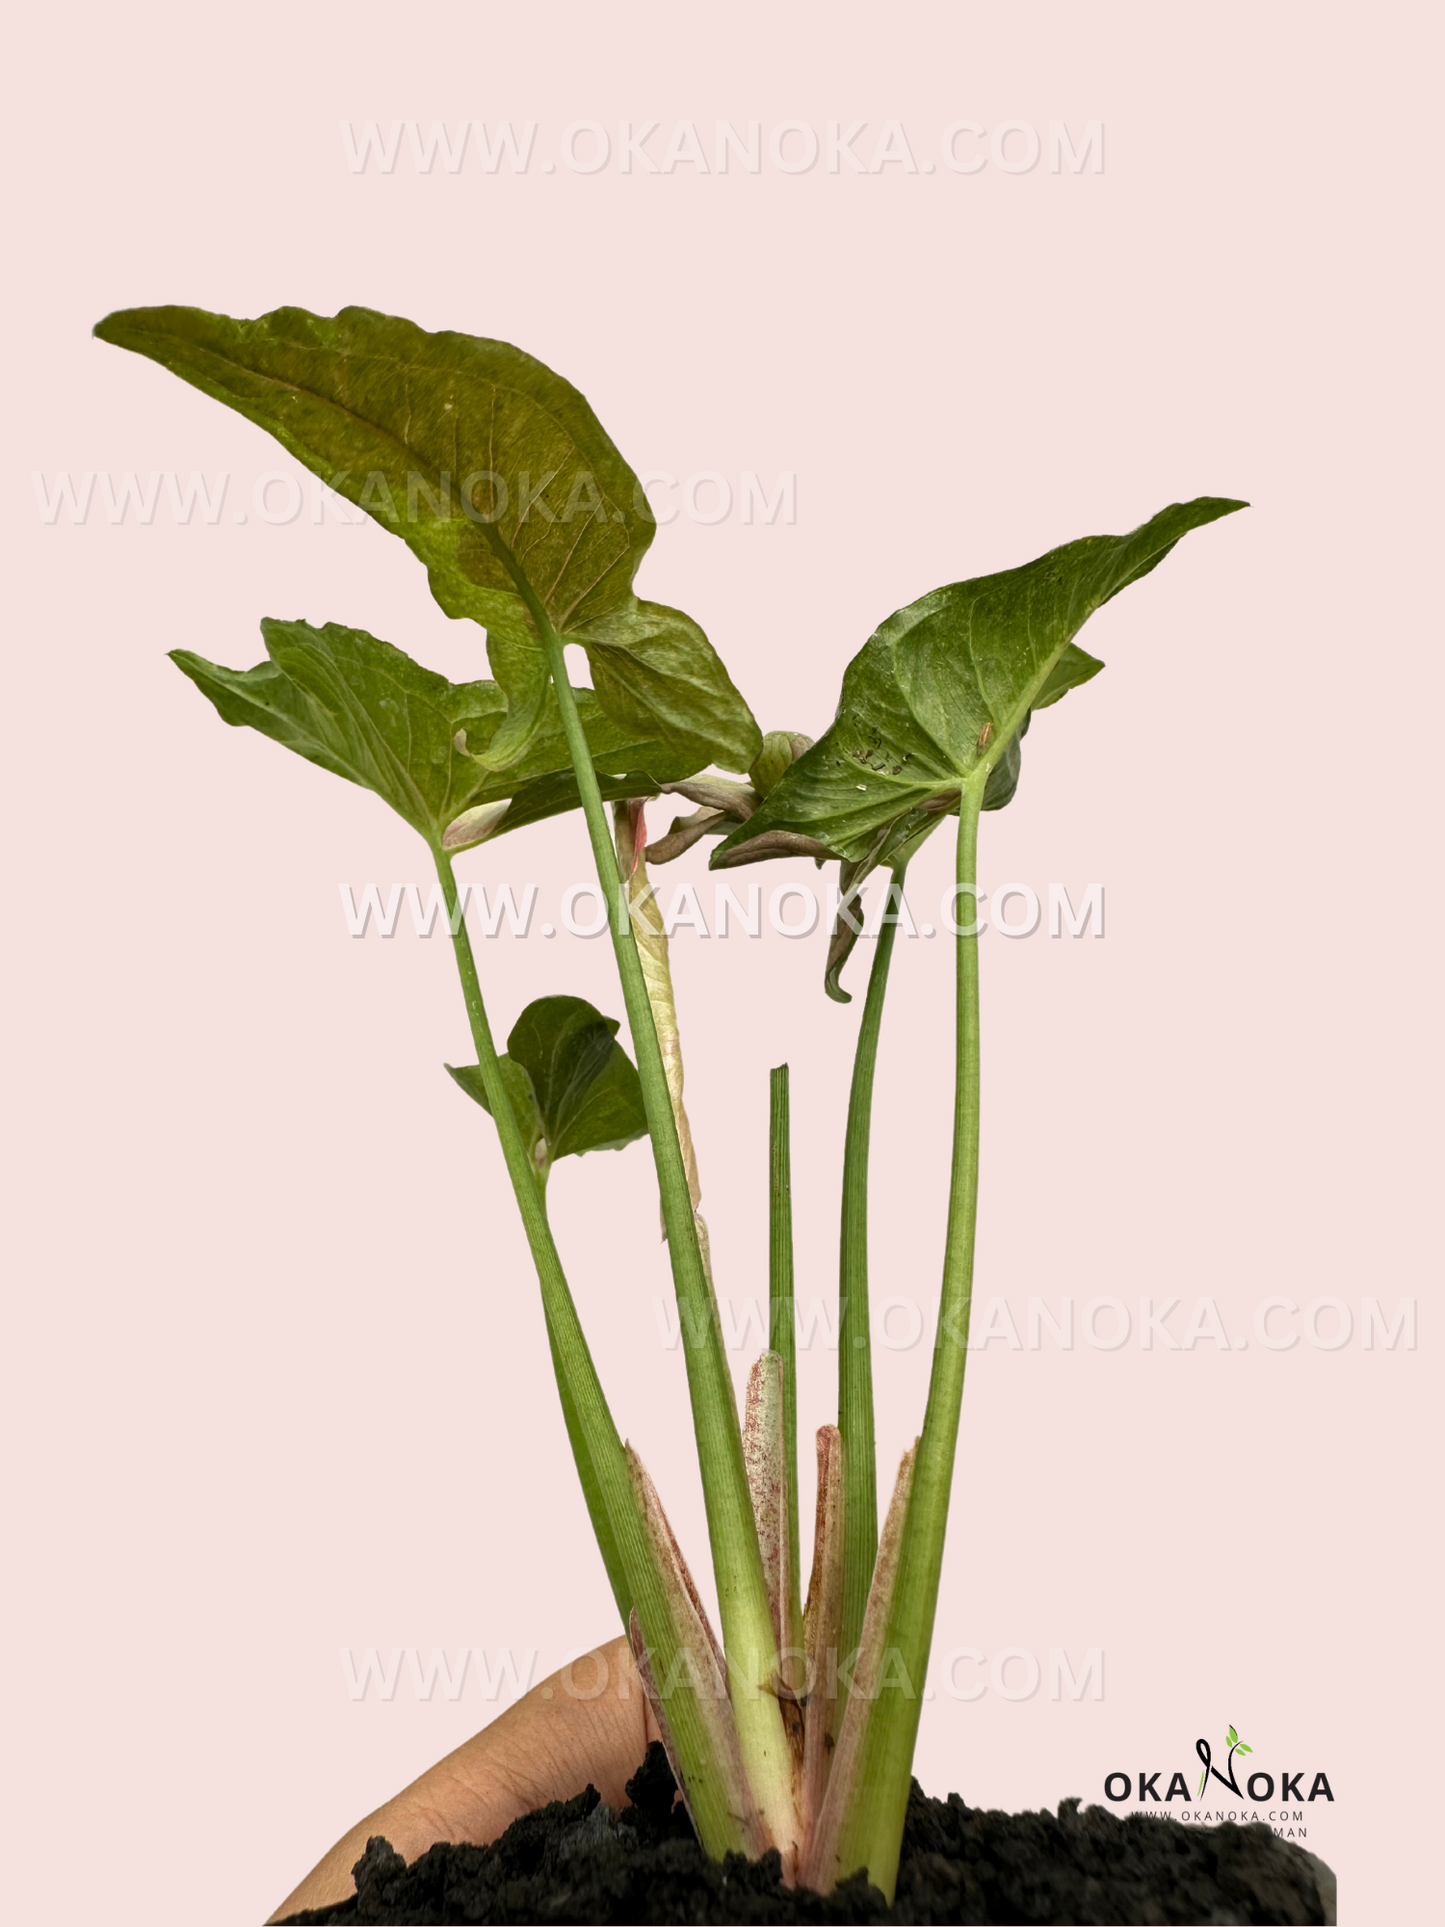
[(795, 1730)]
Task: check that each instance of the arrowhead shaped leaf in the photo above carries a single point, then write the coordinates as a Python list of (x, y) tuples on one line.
[(940, 694), (497, 474), (364, 710), (573, 1087)]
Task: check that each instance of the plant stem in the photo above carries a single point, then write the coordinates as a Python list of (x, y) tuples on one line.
[(747, 1629), (782, 1323), (592, 1491), (601, 1461), (855, 1354), (873, 1829), (531, 1201)]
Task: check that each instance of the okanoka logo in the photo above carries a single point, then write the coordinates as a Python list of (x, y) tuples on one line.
[(1277, 1797)]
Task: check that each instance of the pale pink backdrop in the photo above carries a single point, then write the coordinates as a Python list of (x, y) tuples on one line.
[(276, 1381)]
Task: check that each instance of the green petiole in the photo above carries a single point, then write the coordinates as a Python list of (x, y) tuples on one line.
[(855, 1355), (873, 1827), (782, 1318)]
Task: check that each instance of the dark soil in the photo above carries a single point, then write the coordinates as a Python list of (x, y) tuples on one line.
[(579, 1861)]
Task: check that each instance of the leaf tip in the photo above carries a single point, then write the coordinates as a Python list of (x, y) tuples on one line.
[(121, 326), (1216, 506)]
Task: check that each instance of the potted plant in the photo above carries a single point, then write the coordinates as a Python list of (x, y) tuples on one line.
[(792, 1727)]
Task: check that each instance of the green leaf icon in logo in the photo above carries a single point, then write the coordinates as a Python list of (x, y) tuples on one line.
[(1233, 1737)]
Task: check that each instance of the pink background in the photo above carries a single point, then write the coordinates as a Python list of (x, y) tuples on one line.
[(276, 1380)]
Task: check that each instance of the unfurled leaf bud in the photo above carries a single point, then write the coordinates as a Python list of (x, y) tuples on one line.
[(781, 749)]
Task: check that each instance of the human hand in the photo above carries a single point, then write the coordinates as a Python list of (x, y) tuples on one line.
[(588, 1722)]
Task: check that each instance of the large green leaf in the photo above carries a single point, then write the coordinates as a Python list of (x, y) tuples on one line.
[(364, 710), (498, 475), (939, 695), (573, 1087)]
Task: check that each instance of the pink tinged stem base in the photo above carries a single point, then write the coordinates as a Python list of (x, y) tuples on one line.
[(822, 1629), (820, 1866), (700, 1669), (765, 1457)]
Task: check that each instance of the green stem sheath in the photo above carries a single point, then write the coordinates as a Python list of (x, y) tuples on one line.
[(873, 1829), (855, 1355)]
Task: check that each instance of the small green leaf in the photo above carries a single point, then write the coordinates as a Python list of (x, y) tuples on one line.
[(363, 709), (1243, 1748), (1233, 1737), (573, 1087), (498, 476), (524, 1102)]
